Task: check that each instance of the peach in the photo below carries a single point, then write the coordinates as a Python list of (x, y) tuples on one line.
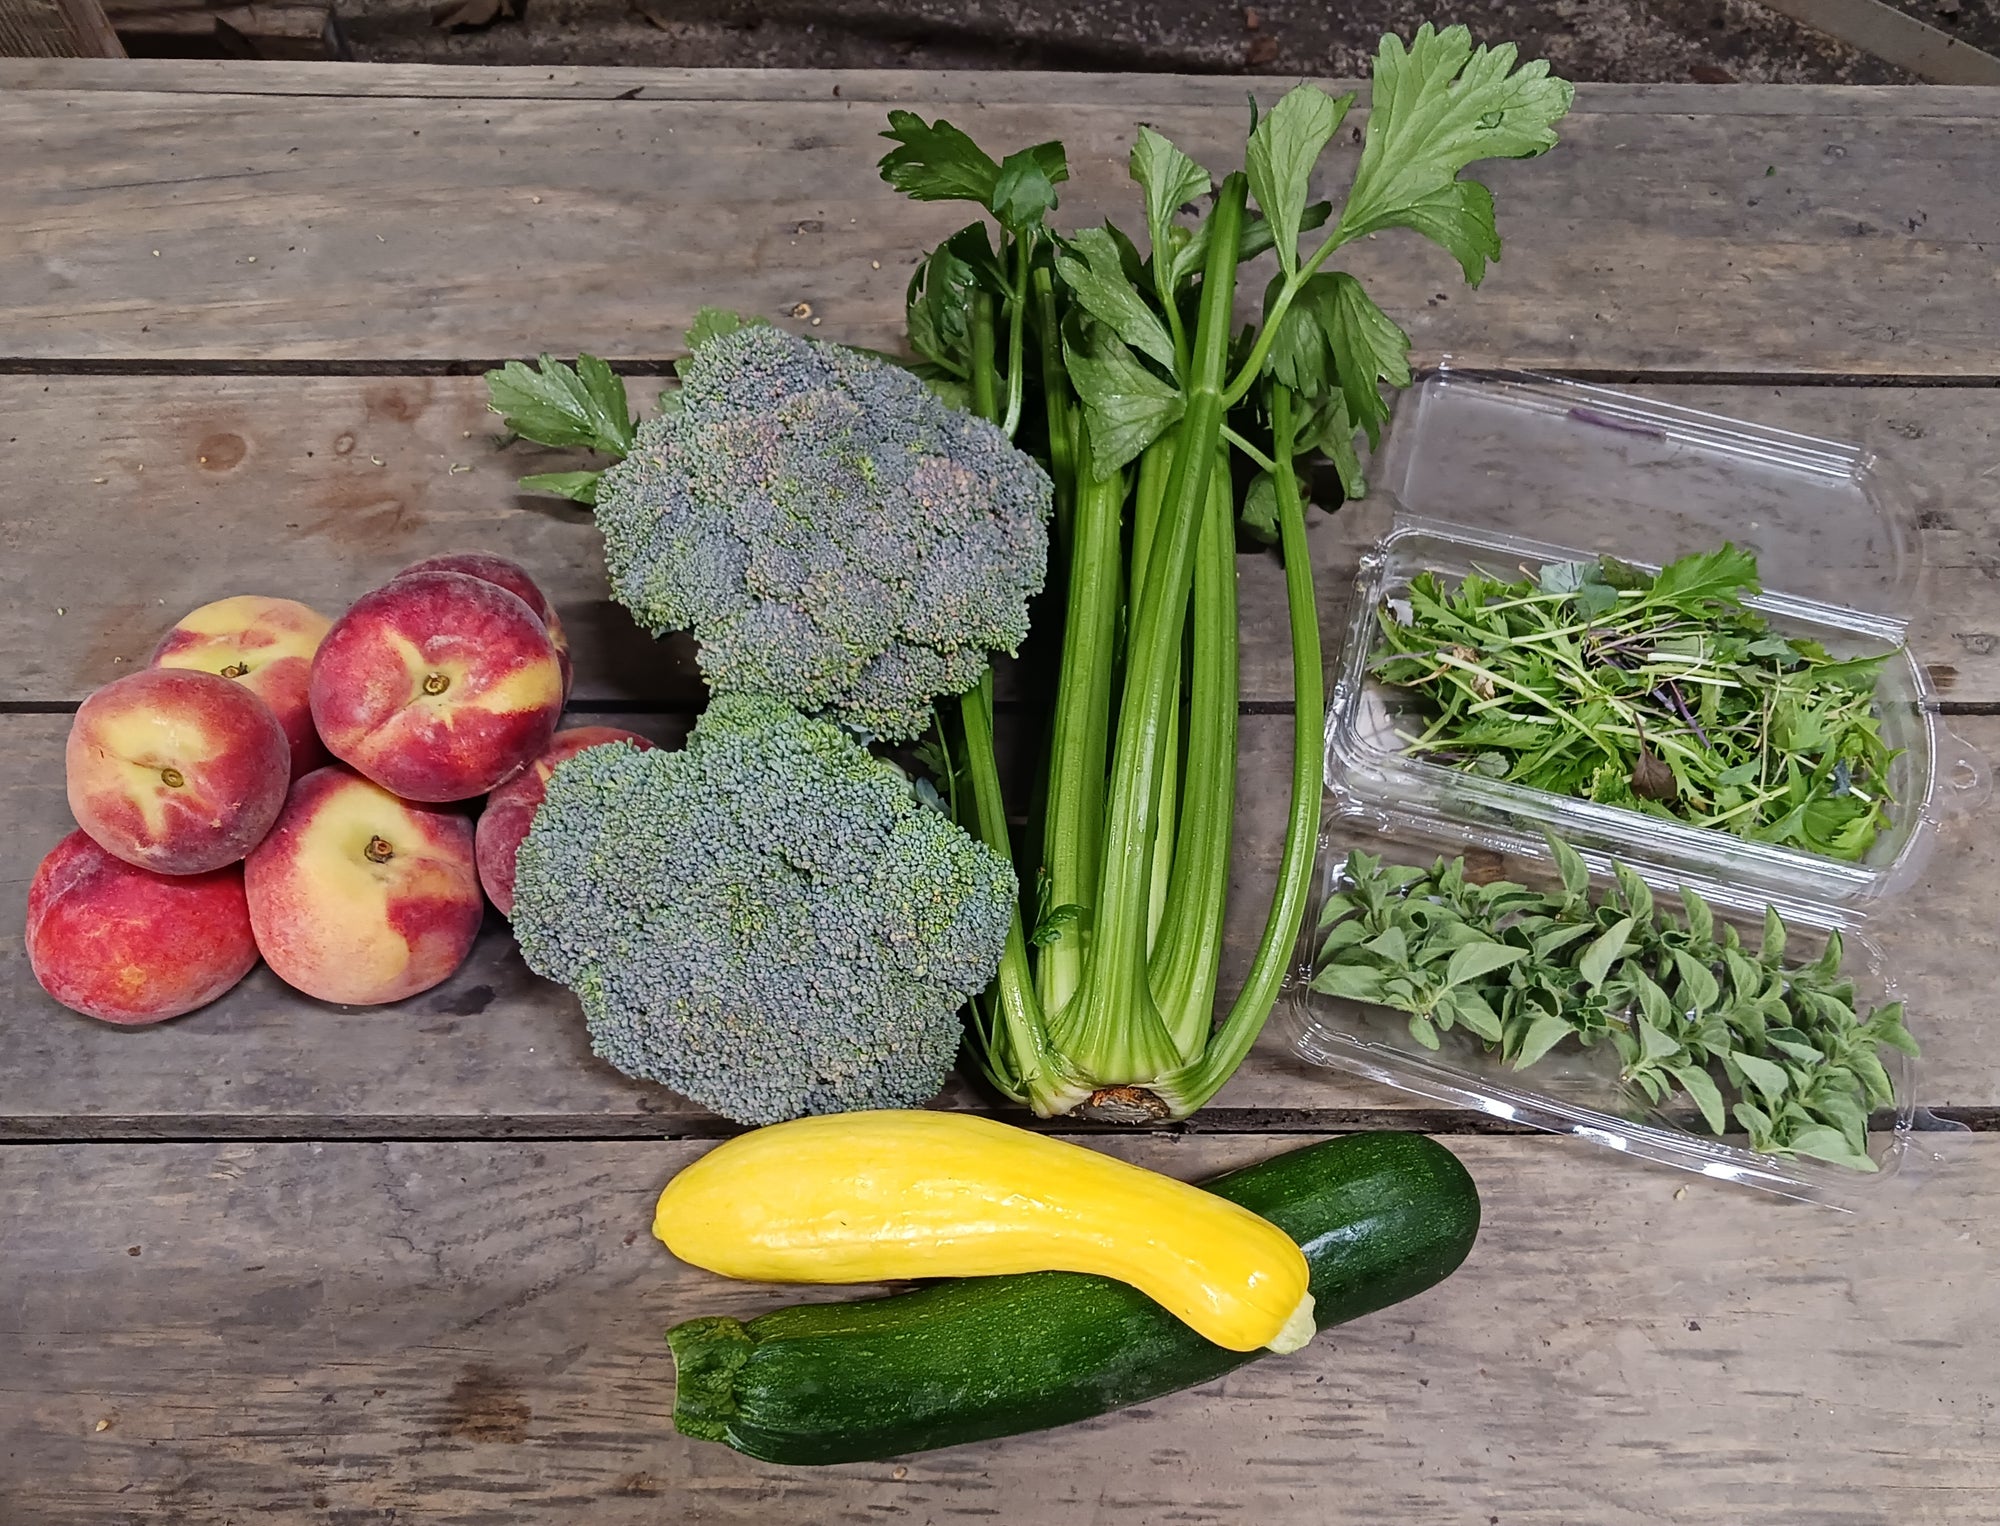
[(176, 771), (360, 898), (511, 807), (124, 944), (437, 686), (511, 576), (267, 646)]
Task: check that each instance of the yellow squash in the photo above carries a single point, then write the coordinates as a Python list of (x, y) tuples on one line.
[(874, 1197)]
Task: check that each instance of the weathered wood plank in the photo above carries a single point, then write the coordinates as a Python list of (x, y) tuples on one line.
[(135, 498), (308, 227), (496, 1051), (464, 1335), (907, 86), (43, 29), (152, 495)]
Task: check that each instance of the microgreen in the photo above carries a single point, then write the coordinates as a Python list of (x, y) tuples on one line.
[(1658, 693), (1688, 1010)]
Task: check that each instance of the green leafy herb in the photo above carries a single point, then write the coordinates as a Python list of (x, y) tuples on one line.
[(1437, 106), (936, 162), (1284, 146), (578, 487), (1259, 514), (1659, 693), (1024, 191), (1126, 407), (1421, 135), (1525, 972), (1099, 281), (563, 405), (1368, 349), (1170, 179)]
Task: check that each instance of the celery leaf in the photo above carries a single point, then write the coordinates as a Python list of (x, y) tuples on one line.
[(563, 405), (1437, 107)]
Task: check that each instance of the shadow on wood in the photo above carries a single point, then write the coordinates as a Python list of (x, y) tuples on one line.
[(286, 29)]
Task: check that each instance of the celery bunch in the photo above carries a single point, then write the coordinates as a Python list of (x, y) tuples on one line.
[(1117, 361)]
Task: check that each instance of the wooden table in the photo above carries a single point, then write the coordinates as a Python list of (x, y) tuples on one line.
[(283, 1261)]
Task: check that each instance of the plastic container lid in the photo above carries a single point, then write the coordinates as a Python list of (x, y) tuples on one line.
[(1507, 472), (1511, 453)]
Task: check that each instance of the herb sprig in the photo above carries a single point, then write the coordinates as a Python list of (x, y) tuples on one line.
[(1689, 1009), (1659, 692)]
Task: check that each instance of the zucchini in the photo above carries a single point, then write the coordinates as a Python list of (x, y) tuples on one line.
[(1380, 1217)]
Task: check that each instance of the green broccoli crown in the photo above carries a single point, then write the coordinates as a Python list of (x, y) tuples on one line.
[(832, 532), (768, 920)]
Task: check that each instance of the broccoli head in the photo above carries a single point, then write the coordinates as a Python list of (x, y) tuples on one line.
[(768, 920), (832, 532)]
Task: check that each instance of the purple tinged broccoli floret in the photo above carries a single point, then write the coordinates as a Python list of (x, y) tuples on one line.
[(769, 920), (833, 533)]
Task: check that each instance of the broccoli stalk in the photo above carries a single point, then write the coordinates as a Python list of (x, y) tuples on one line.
[(1106, 1003)]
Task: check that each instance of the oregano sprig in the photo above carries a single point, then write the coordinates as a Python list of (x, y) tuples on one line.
[(1689, 1009)]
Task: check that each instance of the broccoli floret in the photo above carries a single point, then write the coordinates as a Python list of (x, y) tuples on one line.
[(831, 531), (767, 920)]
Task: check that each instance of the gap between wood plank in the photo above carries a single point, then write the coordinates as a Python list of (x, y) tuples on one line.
[(867, 87), (19, 365), (211, 1128)]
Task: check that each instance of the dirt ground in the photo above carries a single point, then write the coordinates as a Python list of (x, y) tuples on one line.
[(1630, 40)]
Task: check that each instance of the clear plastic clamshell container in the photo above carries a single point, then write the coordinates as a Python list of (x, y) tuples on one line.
[(1507, 473), (1578, 1090)]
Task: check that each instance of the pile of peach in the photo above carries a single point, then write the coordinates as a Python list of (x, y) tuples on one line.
[(214, 828)]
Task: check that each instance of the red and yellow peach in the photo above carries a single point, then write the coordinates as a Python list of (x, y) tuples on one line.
[(437, 686), (124, 944), (267, 646), (176, 771), (359, 897), (513, 577)]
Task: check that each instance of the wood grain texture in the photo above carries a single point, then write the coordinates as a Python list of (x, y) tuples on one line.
[(45, 29), (136, 498), (907, 86), (312, 227), (497, 1051), (469, 1334), (89, 22), (152, 495)]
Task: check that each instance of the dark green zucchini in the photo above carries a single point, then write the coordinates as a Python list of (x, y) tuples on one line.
[(1380, 1217)]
